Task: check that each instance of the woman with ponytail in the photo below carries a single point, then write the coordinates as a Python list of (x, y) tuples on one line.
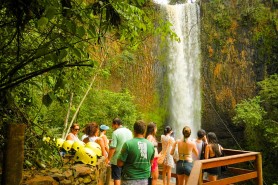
[(183, 149)]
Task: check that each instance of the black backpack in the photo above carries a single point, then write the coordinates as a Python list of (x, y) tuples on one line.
[(203, 150)]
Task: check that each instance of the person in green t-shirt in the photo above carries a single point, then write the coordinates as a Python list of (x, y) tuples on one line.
[(136, 157)]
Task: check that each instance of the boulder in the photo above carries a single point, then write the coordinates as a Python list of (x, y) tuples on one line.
[(42, 180)]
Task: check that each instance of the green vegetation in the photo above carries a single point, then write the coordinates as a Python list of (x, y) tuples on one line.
[(259, 116), (105, 105), (65, 61), (56, 57)]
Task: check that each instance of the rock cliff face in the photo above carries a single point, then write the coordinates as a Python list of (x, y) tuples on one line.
[(237, 51), (228, 75)]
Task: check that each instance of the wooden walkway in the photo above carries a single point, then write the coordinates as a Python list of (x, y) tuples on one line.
[(160, 182)]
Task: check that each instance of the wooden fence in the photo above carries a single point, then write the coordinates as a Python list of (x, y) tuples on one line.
[(236, 174), (236, 162)]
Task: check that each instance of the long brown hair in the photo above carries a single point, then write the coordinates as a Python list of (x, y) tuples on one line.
[(91, 129), (150, 129), (212, 139)]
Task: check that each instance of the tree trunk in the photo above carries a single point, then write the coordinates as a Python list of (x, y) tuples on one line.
[(13, 155), (67, 117)]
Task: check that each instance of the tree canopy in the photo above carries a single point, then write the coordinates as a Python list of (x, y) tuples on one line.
[(51, 49), (39, 36)]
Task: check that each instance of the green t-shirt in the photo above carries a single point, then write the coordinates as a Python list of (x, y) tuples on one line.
[(136, 155), (119, 137)]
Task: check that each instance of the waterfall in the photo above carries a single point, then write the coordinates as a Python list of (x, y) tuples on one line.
[(183, 67)]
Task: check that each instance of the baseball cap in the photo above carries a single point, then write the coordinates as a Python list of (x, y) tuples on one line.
[(103, 127)]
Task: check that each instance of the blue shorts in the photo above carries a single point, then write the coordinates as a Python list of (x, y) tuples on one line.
[(116, 172), (184, 167)]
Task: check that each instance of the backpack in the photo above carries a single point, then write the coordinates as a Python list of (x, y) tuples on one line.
[(203, 151)]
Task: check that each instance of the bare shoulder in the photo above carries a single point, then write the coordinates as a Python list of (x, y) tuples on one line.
[(149, 137), (103, 136), (193, 142), (180, 142), (69, 137), (99, 139), (208, 146)]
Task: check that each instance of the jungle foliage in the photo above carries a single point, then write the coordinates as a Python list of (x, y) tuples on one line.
[(260, 119), (53, 53)]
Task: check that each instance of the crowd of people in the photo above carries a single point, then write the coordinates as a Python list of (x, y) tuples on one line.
[(134, 157)]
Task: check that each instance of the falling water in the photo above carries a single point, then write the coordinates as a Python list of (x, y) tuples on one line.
[(184, 66)]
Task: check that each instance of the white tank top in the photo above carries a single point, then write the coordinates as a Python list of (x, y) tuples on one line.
[(75, 138), (93, 139), (199, 146)]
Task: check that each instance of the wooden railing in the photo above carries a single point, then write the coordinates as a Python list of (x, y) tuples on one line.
[(231, 159), (236, 174)]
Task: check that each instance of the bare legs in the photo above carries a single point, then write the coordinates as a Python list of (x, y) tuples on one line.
[(166, 171), (164, 174), (185, 179), (182, 179), (117, 182), (155, 176), (212, 177)]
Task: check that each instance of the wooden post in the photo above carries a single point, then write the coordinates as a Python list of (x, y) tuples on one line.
[(200, 181), (196, 176), (13, 155), (259, 169)]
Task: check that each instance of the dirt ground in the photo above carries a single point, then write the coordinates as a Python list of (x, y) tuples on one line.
[(159, 182)]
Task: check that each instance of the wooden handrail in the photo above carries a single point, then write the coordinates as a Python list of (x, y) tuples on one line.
[(235, 157), (234, 152), (231, 157), (228, 160)]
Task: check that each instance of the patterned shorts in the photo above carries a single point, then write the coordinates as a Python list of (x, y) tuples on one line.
[(135, 182)]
